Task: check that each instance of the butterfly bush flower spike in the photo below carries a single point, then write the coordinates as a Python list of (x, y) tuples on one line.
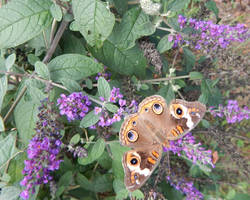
[(185, 187), (193, 151), (42, 151), (106, 119), (211, 35), (75, 106), (232, 112)]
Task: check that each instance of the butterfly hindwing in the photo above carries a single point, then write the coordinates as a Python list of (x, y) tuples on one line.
[(139, 164)]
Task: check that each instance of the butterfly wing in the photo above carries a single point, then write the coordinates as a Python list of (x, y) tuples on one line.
[(134, 133), (139, 164), (170, 122), (183, 117)]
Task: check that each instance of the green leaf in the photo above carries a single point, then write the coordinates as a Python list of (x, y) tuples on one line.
[(195, 75), (164, 44), (25, 115), (102, 183), (120, 190), (73, 66), (111, 107), (167, 93), (71, 85), (241, 196), (3, 82), (127, 62), (10, 193), (1, 124), (32, 59), (40, 43), (117, 152), (135, 24), (16, 167), (90, 119), (240, 143), (118, 185), (36, 94), (66, 179), (211, 95), (105, 161), (138, 194), (189, 59), (83, 182), (7, 149), (231, 194), (178, 5), (97, 149), (103, 88), (75, 139), (71, 44), (205, 123), (21, 21), (89, 83), (56, 12), (42, 70), (10, 61), (60, 191), (144, 86), (123, 194), (211, 5), (95, 152), (94, 20), (121, 6)]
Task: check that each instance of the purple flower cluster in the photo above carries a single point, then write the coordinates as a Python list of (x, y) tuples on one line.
[(193, 151), (75, 106), (231, 111), (42, 152), (212, 35), (185, 187), (178, 40), (103, 74), (77, 151), (117, 98)]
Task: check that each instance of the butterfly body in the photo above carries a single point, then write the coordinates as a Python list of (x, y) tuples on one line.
[(149, 129)]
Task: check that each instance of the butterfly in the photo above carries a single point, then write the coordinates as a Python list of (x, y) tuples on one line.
[(151, 128)]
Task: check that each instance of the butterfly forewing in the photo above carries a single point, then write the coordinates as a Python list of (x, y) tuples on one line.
[(184, 116)]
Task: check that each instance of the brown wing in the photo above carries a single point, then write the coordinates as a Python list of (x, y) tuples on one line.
[(170, 122), (154, 114), (139, 164), (183, 117), (134, 133)]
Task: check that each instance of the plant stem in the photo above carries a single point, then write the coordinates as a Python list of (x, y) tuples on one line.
[(45, 40), (52, 32), (167, 29), (56, 39), (165, 79)]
